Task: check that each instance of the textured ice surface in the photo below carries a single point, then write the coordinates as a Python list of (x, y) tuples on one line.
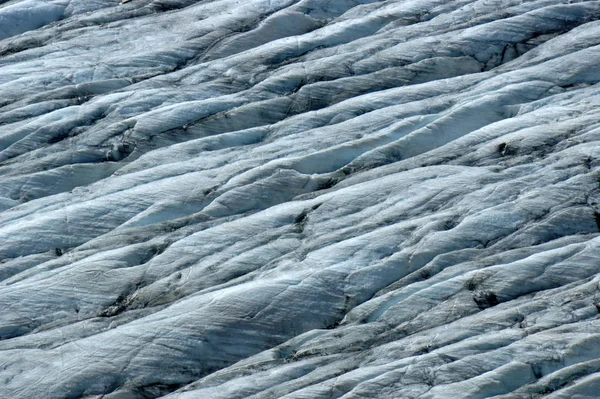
[(300, 199)]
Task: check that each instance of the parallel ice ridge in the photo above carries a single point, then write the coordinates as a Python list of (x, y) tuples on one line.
[(299, 199)]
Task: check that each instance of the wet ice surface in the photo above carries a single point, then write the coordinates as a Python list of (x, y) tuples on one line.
[(299, 199)]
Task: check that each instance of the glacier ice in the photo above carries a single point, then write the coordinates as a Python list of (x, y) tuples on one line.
[(299, 199)]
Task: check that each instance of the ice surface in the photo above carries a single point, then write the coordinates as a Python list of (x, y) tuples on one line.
[(299, 199)]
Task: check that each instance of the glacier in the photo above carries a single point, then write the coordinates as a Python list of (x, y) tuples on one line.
[(299, 199)]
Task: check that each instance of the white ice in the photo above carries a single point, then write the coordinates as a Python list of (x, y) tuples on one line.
[(299, 199)]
